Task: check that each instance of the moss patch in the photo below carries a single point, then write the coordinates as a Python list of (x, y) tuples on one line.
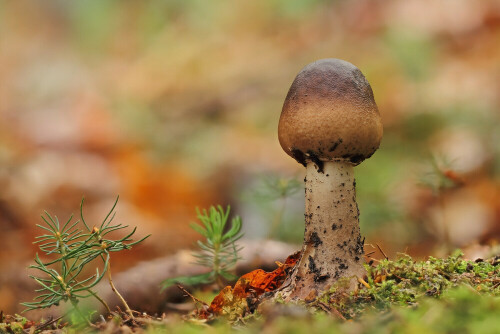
[(405, 282)]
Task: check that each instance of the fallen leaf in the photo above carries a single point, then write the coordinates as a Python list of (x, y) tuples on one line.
[(234, 302)]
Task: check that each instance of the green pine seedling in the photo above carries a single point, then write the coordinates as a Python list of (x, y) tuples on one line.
[(63, 279), (439, 178), (72, 250), (279, 190), (442, 178), (98, 236), (219, 252)]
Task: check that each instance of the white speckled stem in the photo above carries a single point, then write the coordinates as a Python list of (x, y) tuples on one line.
[(333, 247)]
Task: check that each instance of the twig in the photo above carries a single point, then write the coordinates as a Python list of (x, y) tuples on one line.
[(381, 251), (101, 301), (49, 322), (331, 309), (196, 300), (325, 307), (338, 314), (110, 279)]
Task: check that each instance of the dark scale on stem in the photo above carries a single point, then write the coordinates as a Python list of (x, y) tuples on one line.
[(299, 156), (319, 278), (316, 271), (334, 227), (315, 239), (315, 159), (360, 243), (312, 265)]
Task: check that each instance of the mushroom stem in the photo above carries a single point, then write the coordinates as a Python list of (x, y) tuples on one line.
[(333, 247)]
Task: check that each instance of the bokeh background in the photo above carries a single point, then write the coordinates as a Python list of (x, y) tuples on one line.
[(174, 104)]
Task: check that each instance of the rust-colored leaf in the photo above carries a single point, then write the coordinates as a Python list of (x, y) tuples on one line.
[(235, 301)]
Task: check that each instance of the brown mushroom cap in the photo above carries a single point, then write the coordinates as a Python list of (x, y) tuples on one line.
[(330, 114)]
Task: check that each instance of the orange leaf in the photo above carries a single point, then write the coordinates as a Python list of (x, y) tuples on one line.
[(234, 301)]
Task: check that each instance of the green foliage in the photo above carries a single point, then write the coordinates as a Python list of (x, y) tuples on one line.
[(274, 188), (449, 295), (405, 282), (72, 250), (459, 311), (271, 195), (218, 252), (437, 178), (98, 234)]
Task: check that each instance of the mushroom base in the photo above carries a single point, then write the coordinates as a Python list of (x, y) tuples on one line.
[(333, 247)]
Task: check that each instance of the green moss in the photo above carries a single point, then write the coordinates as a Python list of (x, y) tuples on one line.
[(459, 310), (13, 327), (405, 282), (449, 295), (14, 324)]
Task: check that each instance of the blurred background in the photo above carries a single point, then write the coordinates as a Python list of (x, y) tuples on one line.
[(174, 105)]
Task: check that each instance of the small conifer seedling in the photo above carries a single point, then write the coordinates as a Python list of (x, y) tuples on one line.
[(72, 250), (218, 252)]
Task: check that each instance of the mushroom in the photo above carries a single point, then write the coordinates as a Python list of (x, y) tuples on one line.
[(329, 123)]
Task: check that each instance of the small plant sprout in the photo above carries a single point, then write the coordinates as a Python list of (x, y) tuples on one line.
[(74, 249), (441, 175), (441, 179), (329, 123), (277, 189), (219, 252), (106, 245), (63, 279)]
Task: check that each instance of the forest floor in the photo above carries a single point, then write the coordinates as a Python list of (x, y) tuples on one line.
[(450, 295)]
